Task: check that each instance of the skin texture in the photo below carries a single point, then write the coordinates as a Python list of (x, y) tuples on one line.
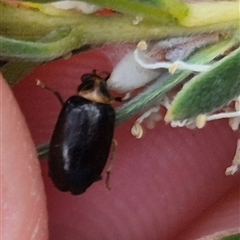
[(168, 185), (23, 202)]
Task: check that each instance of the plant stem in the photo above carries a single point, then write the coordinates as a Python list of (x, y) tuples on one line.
[(40, 37)]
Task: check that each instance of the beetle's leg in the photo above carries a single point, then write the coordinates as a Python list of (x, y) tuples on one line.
[(111, 161), (56, 93), (127, 96), (123, 99)]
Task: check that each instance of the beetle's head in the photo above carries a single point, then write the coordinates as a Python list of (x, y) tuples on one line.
[(94, 88)]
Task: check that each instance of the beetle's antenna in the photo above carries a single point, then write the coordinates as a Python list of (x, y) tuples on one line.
[(56, 93), (111, 160)]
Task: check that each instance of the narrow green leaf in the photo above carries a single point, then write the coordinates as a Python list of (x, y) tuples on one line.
[(43, 150), (159, 89), (37, 51), (208, 91), (231, 237)]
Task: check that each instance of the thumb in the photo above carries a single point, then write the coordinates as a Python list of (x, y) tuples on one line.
[(23, 203)]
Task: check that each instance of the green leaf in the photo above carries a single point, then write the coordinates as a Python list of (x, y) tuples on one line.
[(231, 237), (38, 51), (43, 150), (32, 35), (208, 91), (159, 89)]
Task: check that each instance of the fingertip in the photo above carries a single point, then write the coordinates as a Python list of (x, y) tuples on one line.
[(24, 214)]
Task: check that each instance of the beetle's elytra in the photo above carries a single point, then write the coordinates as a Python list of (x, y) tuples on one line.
[(82, 137)]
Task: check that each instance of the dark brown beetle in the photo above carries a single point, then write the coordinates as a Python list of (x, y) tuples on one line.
[(82, 137)]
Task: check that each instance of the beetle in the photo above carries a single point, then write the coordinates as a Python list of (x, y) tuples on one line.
[(82, 138)]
